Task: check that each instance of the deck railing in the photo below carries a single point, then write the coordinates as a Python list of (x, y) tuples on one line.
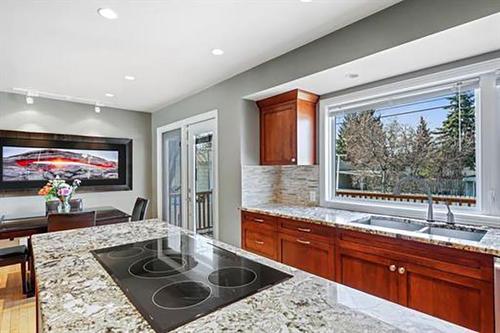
[(174, 209), (457, 200), (204, 217)]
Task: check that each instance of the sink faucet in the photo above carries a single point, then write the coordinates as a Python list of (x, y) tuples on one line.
[(424, 185)]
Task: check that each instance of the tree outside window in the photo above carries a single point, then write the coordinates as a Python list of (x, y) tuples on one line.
[(432, 138)]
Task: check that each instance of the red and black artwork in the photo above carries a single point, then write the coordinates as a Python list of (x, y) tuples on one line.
[(26, 163)]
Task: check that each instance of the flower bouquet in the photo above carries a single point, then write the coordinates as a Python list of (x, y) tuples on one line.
[(58, 189)]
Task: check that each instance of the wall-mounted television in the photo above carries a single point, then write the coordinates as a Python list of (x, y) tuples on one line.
[(29, 160)]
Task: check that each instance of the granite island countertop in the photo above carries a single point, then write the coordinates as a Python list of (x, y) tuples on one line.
[(76, 294), (489, 244)]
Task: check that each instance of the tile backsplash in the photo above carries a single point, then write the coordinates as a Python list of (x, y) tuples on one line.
[(289, 184)]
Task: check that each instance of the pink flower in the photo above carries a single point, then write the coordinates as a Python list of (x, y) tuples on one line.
[(64, 191)]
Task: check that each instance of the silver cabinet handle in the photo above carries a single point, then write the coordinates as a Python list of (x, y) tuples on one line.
[(259, 242), (401, 270), (304, 229), (392, 268), (259, 220), (303, 241)]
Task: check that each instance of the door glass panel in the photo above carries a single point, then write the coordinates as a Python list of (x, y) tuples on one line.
[(203, 161), (172, 180)]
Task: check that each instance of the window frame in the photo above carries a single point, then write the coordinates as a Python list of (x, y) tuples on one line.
[(487, 209)]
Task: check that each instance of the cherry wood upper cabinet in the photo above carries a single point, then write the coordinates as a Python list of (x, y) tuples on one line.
[(288, 128)]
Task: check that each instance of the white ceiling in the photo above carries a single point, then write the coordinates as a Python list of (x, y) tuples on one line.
[(460, 42), (65, 48)]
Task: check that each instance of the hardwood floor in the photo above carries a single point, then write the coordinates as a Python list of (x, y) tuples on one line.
[(17, 313)]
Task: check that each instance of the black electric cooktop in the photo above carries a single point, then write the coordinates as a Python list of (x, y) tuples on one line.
[(179, 278)]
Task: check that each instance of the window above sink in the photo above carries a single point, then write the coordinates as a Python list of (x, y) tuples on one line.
[(431, 135), (438, 128)]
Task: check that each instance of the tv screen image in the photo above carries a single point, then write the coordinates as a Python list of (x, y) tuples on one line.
[(39, 164)]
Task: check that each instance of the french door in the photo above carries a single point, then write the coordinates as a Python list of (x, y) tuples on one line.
[(187, 174)]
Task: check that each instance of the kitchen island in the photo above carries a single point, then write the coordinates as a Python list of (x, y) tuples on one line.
[(76, 294)]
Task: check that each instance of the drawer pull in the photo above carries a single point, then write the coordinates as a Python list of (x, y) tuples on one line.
[(303, 241), (259, 220), (401, 270), (304, 229), (259, 242), (392, 268)]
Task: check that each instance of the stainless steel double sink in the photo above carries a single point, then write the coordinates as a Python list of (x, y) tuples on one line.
[(439, 229)]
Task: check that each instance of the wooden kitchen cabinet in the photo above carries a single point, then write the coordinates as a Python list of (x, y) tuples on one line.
[(367, 272), (447, 283), (307, 246), (307, 254), (288, 129), (462, 300), (259, 235), (451, 284)]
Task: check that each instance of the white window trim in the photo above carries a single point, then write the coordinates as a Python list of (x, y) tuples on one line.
[(487, 146)]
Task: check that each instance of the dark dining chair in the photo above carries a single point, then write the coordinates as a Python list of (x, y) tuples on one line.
[(140, 209), (67, 221), (16, 255)]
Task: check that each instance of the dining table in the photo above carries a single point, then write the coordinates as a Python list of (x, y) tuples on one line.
[(28, 223), (33, 222)]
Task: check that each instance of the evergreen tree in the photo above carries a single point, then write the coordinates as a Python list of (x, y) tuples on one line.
[(456, 136), (341, 148), (422, 149)]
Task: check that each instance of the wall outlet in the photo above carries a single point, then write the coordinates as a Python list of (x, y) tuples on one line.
[(312, 196)]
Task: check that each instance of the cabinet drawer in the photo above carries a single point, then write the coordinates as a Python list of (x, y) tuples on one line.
[(262, 243), (259, 221), (305, 229), (307, 254)]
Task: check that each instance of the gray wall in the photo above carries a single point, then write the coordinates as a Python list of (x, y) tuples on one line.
[(80, 119), (404, 22)]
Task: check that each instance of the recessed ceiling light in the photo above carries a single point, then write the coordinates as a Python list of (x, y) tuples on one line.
[(305, 0), (109, 95), (108, 13), (29, 100), (352, 75), (217, 52), (97, 109), (129, 77)]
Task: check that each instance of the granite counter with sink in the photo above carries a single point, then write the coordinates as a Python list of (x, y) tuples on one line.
[(75, 293), (474, 239)]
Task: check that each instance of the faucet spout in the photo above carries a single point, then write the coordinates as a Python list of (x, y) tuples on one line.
[(424, 185)]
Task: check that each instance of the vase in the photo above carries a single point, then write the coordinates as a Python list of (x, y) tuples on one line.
[(52, 206), (64, 207)]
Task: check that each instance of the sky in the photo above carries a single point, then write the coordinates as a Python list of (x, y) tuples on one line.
[(106, 154)]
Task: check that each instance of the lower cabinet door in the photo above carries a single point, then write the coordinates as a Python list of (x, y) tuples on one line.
[(372, 274), (455, 298), (261, 242), (307, 254)]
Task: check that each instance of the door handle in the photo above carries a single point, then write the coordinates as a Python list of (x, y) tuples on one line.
[(401, 270), (304, 229), (259, 242), (259, 220), (392, 268), (293, 159), (303, 242)]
